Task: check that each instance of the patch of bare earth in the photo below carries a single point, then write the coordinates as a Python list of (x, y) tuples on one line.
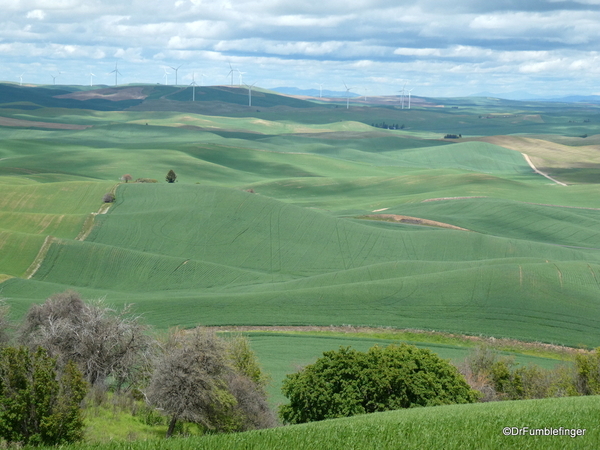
[(112, 94), (411, 220), (8, 122)]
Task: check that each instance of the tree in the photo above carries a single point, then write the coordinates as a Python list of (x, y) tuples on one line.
[(37, 406), (347, 382), (108, 197), (171, 176), (194, 380), (103, 342), (126, 178), (4, 324)]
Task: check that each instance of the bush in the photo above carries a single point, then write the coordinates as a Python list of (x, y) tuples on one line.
[(587, 373), (196, 380), (500, 378), (108, 198), (146, 180), (347, 382), (37, 407), (101, 341)]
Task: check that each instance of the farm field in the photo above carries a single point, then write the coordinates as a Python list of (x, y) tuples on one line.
[(448, 427), (302, 213)]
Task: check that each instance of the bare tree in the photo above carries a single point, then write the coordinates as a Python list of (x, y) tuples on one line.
[(103, 342), (195, 381)]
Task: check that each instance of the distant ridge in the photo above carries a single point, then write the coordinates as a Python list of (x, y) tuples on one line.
[(312, 92), (522, 95)]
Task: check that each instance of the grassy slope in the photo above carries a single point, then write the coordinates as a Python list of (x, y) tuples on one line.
[(229, 257), (30, 212), (255, 252), (477, 426)]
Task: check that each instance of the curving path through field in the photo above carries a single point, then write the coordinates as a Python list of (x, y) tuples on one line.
[(541, 173)]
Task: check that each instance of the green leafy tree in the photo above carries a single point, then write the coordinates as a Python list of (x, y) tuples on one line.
[(171, 176), (37, 406), (347, 382)]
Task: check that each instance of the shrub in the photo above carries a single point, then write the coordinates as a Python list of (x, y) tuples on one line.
[(500, 378), (587, 373), (195, 380), (101, 341), (348, 382), (146, 180), (108, 197), (37, 407)]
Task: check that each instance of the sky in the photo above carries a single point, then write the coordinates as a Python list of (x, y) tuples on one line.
[(436, 48)]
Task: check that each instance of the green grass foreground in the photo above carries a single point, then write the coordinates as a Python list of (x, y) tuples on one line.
[(476, 426)]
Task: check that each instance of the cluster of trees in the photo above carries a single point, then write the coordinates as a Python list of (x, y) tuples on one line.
[(388, 126), (65, 347), (347, 382), (453, 136)]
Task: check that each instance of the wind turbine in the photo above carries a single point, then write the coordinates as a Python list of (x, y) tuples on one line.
[(321, 90), (176, 69), (231, 73), (365, 93), (54, 77), (347, 96), (409, 98), (250, 92), (21, 79), (166, 77), (193, 84), (116, 72), (241, 81), (403, 95), (92, 79)]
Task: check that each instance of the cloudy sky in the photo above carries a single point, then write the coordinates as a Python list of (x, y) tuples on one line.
[(437, 47)]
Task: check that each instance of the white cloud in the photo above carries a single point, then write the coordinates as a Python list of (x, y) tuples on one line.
[(36, 14)]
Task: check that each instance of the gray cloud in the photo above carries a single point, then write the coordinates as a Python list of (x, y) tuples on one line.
[(442, 47)]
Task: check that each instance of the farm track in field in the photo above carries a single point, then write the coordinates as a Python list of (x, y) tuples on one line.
[(540, 172)]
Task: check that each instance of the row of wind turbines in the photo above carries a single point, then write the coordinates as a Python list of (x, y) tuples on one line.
[(193, 84)]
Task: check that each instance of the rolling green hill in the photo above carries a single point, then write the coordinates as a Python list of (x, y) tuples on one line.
[(300, 250)]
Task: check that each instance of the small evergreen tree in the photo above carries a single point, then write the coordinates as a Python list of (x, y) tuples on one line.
[(38, 407), (171, 176)]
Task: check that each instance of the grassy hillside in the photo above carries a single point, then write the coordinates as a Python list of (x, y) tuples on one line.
[(230, 257), (450, 427), (296, 253)]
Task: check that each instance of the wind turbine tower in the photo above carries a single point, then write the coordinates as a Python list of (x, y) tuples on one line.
[(231, 73), (321, 90), (347, 96), (21, 79), (54, 77), (176, 69), (116, 72), (241, 81), (409, 98), (193, 84), (92, 79), (250, 92), (166, 77)]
